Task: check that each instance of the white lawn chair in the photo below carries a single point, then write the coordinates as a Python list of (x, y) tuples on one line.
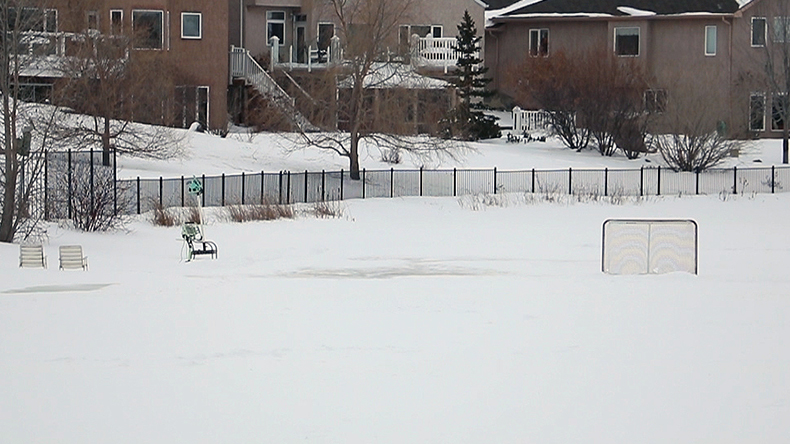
[(71, 258), (32, 256)]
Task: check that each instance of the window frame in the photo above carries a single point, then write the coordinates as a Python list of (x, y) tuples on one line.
[(199, 35), (92, 16), (638, 40), (274, 21), (535, 46), (113, 29), (434, 28), (762, 98), (162, 29), (708, 40), (785, 37), (765, 32)]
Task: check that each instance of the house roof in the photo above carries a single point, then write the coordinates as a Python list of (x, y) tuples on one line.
[(626, 7)]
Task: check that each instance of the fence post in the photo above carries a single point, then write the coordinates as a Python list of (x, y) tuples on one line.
[(735, 180), (658, 189), (420, 181), (392, 182), (71, 187), (641, 181), (494, 180), (182, 192), (138, 194), (323, 185), (262, 182), (242, 187), (533, 180), (114, 181), (92, 191), (363, 183), (161, 182), (203, 194), (288, 188), (222, 199), (696, 191), (606, 181), (773, 178), (341, 183), (280, 198), (305, 186), (455, 182), (570, 181), (46, 207)]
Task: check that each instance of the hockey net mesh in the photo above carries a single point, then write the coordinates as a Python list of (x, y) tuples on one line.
[(649, 246)]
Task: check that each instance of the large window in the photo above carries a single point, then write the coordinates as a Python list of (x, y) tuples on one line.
[(148, 26), (191, 25), (626, 42), (710, 40), (779, 107), (116, 21), (92, 20), (275, 26), (759, 31), (656, 100), (191, 105), (757, 112), (539, 42), (781, 32)]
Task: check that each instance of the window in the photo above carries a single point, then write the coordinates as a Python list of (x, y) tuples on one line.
[(781, 30), (191, 25), (779, 106), (436, 31), (116, 21), (626, 42), (33, 19), (539, 42), (148, 28), (275, 26), (325, 33), (191, 105), (92, 19), (757, 112), (759, 31), (656, 100), (710, 40)]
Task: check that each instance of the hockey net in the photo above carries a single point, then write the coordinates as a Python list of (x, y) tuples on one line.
[(649, 246)]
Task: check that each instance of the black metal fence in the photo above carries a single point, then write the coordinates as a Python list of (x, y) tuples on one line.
[(135, 196)]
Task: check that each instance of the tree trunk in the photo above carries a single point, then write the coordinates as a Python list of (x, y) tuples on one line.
[(353, 156), (9, 194), (105, 143)]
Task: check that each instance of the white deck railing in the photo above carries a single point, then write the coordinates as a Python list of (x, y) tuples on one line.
[(529, 120), (243, 65), (434, 51)]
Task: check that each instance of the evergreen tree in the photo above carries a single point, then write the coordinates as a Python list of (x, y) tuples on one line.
[(462, 122)]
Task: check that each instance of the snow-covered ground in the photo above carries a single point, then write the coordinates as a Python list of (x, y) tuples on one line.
[(433, 320)]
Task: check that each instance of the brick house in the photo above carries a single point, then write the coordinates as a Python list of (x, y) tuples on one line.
[(715, 47), (189, 36)]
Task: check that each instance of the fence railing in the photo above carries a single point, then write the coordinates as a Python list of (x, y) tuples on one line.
[(81, 179), (529, 120)]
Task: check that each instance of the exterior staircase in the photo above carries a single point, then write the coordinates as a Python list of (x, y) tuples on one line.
[(244, 66)]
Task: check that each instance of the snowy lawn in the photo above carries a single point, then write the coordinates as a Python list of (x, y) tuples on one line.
[(405, 320)]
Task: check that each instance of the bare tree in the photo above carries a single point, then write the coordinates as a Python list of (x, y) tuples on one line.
[(24, 44), (367, 29), (112, 86)]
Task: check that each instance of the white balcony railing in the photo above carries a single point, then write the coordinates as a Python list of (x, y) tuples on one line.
[(434, 51)]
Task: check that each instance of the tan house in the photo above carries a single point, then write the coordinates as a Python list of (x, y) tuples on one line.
[(714, 49)]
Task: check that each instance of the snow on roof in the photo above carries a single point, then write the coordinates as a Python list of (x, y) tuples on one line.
[(490, 15), (395, 75), (635, 12)]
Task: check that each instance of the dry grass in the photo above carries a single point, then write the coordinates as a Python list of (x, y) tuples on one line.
[(165, 217), (265, 211), (327, 210)]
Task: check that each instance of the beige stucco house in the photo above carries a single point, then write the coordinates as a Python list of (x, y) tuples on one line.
[(712, 49)]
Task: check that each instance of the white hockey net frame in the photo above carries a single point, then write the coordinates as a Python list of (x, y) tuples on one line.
[(649, 246)]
